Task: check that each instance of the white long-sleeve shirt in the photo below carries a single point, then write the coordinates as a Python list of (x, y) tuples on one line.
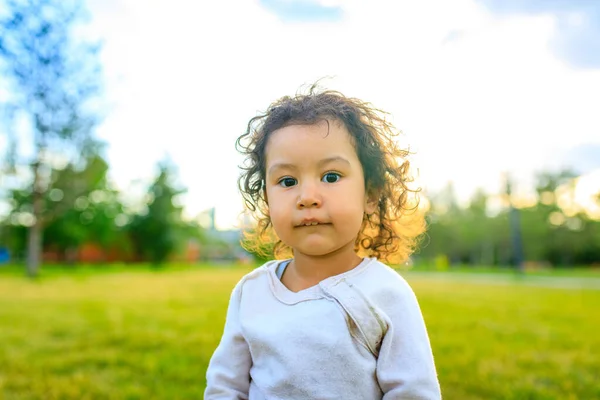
[(357, 335)]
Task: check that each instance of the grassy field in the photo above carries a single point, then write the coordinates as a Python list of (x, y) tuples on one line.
[(126, 333)]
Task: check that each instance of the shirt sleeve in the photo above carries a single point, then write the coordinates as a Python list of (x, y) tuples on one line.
[(405, 366), (228, 373)]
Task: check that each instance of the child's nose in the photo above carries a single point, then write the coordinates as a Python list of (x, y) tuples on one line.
[(309, 197)]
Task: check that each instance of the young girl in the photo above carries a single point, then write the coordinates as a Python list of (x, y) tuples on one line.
[(328, 184)]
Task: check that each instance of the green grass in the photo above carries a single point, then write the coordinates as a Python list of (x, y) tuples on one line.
[(133, 333), (571, 272)]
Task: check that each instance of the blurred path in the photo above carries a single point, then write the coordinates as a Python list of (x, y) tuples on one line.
[(510, 279)]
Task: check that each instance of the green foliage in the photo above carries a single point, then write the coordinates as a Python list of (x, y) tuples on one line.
[(158, 231), (80, 208), (550, 234), (147, 334), (91, 207)]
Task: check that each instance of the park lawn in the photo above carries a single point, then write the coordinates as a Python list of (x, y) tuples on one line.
[(138, 333)]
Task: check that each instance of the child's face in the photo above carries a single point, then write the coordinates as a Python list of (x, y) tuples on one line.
[(314, 178)]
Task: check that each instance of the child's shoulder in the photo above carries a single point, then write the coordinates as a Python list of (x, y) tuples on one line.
[(380, 281), (258, 276)]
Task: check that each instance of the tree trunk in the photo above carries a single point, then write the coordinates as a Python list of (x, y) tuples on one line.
[(34, 239)]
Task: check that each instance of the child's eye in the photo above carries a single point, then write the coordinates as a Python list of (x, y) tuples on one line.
[(331, 177), (287, 182)]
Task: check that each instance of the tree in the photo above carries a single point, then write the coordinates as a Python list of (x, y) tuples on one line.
[(53, 78), (81, 208), (443, 224), (158, 231), (89, 210), (555, 230)]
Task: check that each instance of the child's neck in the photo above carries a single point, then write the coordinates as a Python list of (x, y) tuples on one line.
[(307, 271)]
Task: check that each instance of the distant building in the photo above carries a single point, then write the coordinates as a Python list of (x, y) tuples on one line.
[(222, 245)]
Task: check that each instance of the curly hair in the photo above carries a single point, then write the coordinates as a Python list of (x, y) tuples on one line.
[(391, 233)]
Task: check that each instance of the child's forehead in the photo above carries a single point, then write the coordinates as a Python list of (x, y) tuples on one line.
[(306, 137), (309, 145)]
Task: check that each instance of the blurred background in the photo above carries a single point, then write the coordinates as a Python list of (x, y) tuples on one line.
[(121, 112), (117, 127)]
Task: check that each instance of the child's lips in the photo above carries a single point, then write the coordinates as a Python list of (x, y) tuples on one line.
[(310, 222)]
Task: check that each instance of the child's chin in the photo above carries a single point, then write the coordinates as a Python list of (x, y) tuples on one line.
[(316, 249)]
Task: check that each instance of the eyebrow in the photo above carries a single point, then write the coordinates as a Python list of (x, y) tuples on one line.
[(321, 163)]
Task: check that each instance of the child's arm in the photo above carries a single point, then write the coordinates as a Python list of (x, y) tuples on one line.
[(228, 374), (405, 367)]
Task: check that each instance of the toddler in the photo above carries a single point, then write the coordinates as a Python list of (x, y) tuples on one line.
[(327, 319)]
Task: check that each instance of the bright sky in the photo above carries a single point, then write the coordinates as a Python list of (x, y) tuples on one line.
[(478, 89)]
